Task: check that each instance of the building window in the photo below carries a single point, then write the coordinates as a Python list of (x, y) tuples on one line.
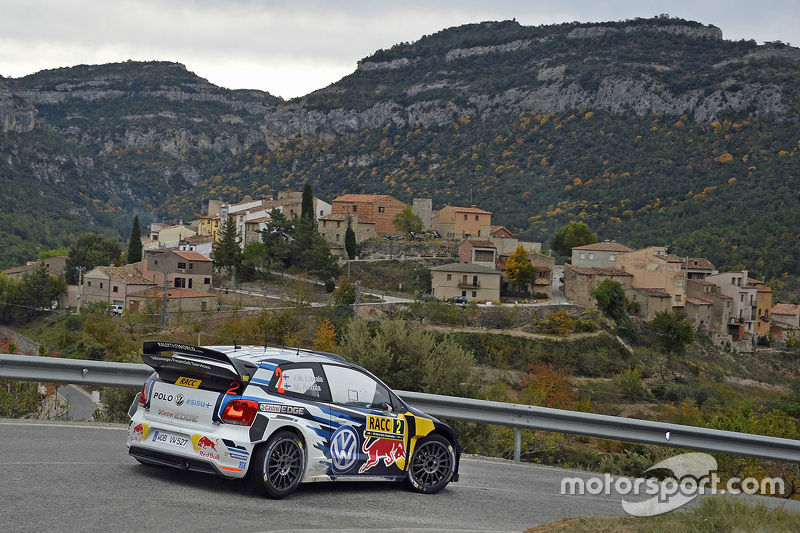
[(591, 256), (474, 294), (190, 283), (484, 256), (355, 208), (474, 281), (677, 297), (583, 255), (191, 266), (464, 279), (324, 223), (612, 258), (89, 283), (381, 208), (101, 284), (114, 289), (476, 218), (206, 281), (182, 265), (449, 277), (465, 217), (337, 237)]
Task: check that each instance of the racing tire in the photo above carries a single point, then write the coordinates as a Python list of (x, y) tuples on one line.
[(432, 464), (279, 465)]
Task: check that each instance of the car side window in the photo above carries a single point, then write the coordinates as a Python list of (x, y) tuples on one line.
[(352, 387), (306, 380)]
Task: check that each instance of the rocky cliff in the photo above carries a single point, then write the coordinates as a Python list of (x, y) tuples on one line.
[(15, 114)]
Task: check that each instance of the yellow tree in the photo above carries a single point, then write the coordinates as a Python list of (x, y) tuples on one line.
[(519, 269), (326, 339)]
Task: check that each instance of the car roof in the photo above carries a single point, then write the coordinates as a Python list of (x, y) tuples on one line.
[(276, 355)]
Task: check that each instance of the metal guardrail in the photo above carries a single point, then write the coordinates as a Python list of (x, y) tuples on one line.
[(131, 375)]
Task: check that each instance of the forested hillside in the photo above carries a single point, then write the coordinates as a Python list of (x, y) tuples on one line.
[(652, 131)]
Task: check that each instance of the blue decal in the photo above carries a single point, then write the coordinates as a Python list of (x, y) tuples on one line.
[(344, 449)]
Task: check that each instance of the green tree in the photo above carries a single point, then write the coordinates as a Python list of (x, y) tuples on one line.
[(38, 290), (89, 251), (610, 298), (350, 245), (572, 235), (519, 269), (321, 263), (409, 223), (408, 358), (277, 236), (674, 331), (307, 205), (135, 242), (228, 253), (8, 298)]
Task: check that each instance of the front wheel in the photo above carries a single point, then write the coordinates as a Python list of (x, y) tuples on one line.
[(432, 464), (279, 465)]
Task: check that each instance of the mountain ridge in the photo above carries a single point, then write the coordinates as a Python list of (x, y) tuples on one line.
[(516, 114)]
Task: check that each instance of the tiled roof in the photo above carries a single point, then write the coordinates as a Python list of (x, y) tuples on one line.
[(497, 230), (473, 210), (785, 309), (335, 217), (481, 244), (362, 198), (661, 293), (699, 263), (127, 274), (192, 256), (606, 246), (697, 301), (467, 268), (595, 271)]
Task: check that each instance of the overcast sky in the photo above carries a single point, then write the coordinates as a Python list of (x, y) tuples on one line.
[(290, 48)]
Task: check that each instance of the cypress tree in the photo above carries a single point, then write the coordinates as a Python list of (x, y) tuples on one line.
[(307, 207), (135, 242)]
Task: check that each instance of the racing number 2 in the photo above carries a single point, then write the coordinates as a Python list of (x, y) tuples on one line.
[(234, 387)]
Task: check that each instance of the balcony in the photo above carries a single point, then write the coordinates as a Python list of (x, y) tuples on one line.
[(469, 285)]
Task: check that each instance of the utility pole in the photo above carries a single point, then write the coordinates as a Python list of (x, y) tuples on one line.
[(164, 302), (358, 298)]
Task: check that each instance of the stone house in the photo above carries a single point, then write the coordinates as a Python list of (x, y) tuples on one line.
[(599, 255), (464, 222), (652, 268), (474, 282), (579, 282), (378, 209), (181, 269), (478, 252), (718, 326), (785, 320), (113, 285)]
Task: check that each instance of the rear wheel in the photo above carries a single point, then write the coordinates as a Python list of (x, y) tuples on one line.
[(279, 465), (432, 464)]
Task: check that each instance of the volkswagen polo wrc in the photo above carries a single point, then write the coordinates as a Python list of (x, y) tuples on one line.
[(282, 417)]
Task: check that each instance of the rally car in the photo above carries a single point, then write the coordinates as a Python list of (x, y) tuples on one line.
[(281, 417)]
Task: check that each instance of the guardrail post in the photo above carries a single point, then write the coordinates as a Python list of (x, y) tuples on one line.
[(517, 444)]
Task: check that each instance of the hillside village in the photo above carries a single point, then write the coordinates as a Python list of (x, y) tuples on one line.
[(177, 269)]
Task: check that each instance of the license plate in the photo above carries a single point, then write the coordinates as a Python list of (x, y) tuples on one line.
[(172, 440)]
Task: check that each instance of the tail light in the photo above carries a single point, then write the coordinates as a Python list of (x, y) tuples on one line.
[(240, 412), (143, 394)]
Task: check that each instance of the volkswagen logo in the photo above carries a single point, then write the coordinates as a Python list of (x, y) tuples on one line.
[(344, 449), (179, 399)]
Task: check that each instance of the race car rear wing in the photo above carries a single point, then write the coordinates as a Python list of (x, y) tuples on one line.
[(200, 367)]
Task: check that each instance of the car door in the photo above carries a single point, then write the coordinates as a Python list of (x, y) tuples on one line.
[(370, 435)]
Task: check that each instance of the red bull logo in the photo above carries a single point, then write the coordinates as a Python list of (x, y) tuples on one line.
[(139, 431), (204, 443), (391, 451), (206, 446)]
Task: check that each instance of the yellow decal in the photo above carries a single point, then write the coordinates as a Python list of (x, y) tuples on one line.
[(188, 382), (140, 430), (385, 427)]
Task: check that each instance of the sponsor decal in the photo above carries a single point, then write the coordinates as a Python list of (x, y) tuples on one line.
[(199, 403), (179, 400), (162, 396), (188, 382), (237, 456), (206, 447), (140, 431), (344, 449), (391, 451), (283, 409), (178, 416), (178, 347), (384, 427)]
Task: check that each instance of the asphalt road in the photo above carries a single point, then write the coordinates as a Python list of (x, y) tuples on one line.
[(78, 477)]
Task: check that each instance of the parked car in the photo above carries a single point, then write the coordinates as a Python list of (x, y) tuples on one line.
[(117, 309), (429, 298), (280, 417), (461, 300)]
